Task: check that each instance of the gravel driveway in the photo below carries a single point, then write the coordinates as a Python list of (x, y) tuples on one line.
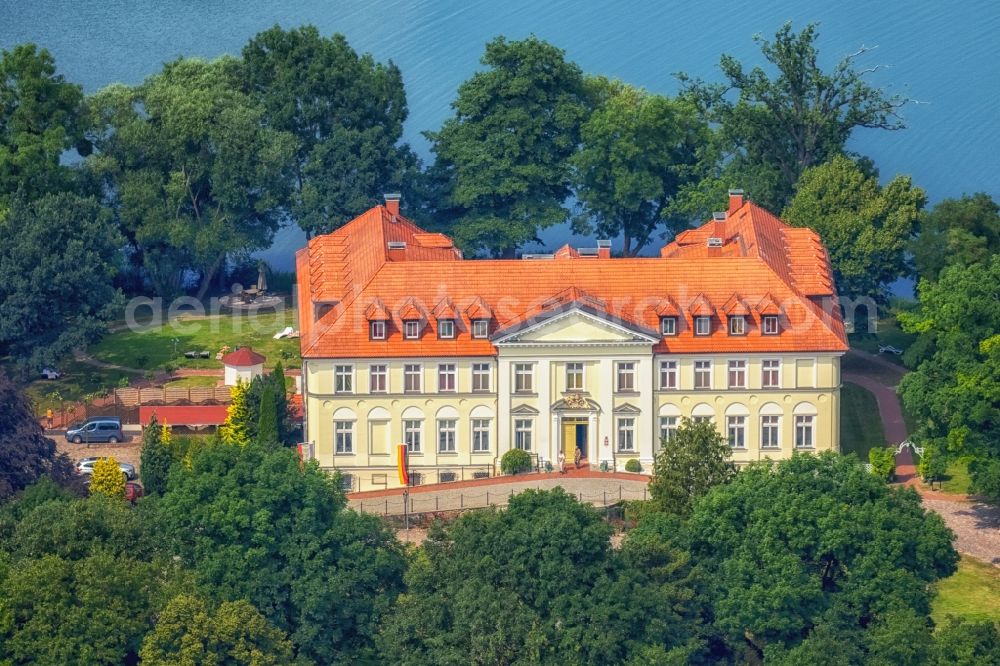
[(976, 525)]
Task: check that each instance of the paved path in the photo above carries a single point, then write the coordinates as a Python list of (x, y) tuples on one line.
[(888, 405)]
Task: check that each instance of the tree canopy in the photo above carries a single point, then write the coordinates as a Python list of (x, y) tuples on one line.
[(799, 117), (865, 227), (956, 231), (688, 465), (502, 166)]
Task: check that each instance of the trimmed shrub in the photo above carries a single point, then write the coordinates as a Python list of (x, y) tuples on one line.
[(633, 466), (883, 461), (515, 461)]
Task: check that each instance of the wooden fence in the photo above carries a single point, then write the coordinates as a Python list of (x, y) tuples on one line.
[(133, 397)]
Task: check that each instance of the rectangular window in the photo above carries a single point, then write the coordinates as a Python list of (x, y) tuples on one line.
[(770, 370), (701, 419), (736, 426), (737, 325), (446, 377), (446, 328), (446, 436), (412, 431), (481, 328), (668, 427), (770, 429), (574, 376), (480, 435), (668, 375), (343, 381), (626, 434), (412, 374), (668, 325), (804, 431), (522, 433), (411, 329), (737, 374), (481, 377), (523, 377), (376, 330), (703, 374), (378, 379), (626, 376), (343, 437), (770, 325), (702, 325)]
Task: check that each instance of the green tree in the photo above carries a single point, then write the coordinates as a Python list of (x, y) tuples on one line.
[(188, 631), (346, 113), (815, 544), (239, 417), (107, 478), (255, 524), (968, 643), (688, 465), (883, 462), (40, 119), (267, 421), (776, 128), (277, 378), (637, 151), (155, 459), (954, 392), (956, 231), (191, 168), (933, 465), (502, 160), (26, 454), (58, 262), (491, 588), (864, 226)]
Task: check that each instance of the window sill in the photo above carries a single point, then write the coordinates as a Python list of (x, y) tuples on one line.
[(627, 393), (448, 453), (525, 394)]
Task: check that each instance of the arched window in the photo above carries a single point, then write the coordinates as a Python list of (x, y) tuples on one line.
[(703, 412), (736, 425), (670, 417)]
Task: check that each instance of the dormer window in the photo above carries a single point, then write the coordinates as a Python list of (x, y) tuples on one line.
[(702, 325), (480, 328), (769, 325), (411, 329), (376, 330), (737, 325), (668, 325), (446, 328)]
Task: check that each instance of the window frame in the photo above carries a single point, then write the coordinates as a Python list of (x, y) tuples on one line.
[(765, 372), (446, 329), (625, 430), (575, 369), (805, 424), (621, 372), (443, 430), (775, 429), (343, 379), (343, 439), (411, 370), (742, 325), (373, 373), (736, 423), (413, 437), (481, 334), (442, 373), (481, 429), (708, 370), (522, 370), (478, 373), (673, 372), (698, 321), (740, 371), (668, 427), (411, 329), (766, 322), (524, 435), (671, 330), (377, 325)]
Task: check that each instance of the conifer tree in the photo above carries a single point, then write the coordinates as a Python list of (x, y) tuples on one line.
[(155, 458), (267, 425), (235, 430), (107, 478), (281, 401)]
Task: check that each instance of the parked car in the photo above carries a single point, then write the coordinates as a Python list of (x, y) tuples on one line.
[(86, 466), (49, 373), (889, 349), (98, 429)]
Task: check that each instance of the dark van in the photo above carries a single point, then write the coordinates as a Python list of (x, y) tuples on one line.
[(98, 429)]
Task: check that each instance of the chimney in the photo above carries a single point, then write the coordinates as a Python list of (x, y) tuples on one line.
[(735, 200), (603, 249), (392, 203)]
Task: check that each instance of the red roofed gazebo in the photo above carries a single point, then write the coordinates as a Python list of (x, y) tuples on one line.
[(242, 364)]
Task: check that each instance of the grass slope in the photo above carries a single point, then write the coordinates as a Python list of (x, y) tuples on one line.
[(860, 424)]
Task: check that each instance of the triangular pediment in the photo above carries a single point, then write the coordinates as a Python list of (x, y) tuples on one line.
[(577, 326)]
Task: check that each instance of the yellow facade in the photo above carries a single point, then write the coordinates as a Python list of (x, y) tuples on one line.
[(573, 380)]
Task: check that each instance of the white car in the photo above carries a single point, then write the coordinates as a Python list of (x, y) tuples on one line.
[(49, 373), (86, 466), (889, 349)]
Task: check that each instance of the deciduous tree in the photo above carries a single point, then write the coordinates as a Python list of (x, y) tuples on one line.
[(107, 478), (956, 231), (502, 160), (864, 226), (689, 464), (779, 125), (346, 112)]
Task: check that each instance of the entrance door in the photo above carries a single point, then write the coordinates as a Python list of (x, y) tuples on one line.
[(574, 435)]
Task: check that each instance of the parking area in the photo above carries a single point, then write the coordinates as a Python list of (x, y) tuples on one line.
[(127, 451)]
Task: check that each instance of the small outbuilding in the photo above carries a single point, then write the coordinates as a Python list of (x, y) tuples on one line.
[(242, 364)]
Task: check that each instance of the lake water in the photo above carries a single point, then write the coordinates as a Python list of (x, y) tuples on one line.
[(944, 55)]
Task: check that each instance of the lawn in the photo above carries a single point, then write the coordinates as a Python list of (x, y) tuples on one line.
[(155, 348), (78, 380), (889, 333), (860, 424), (956, 479), (193, 382), (973, 592)]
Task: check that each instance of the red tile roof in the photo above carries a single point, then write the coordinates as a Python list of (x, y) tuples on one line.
[(243, 356), (762, 261)]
